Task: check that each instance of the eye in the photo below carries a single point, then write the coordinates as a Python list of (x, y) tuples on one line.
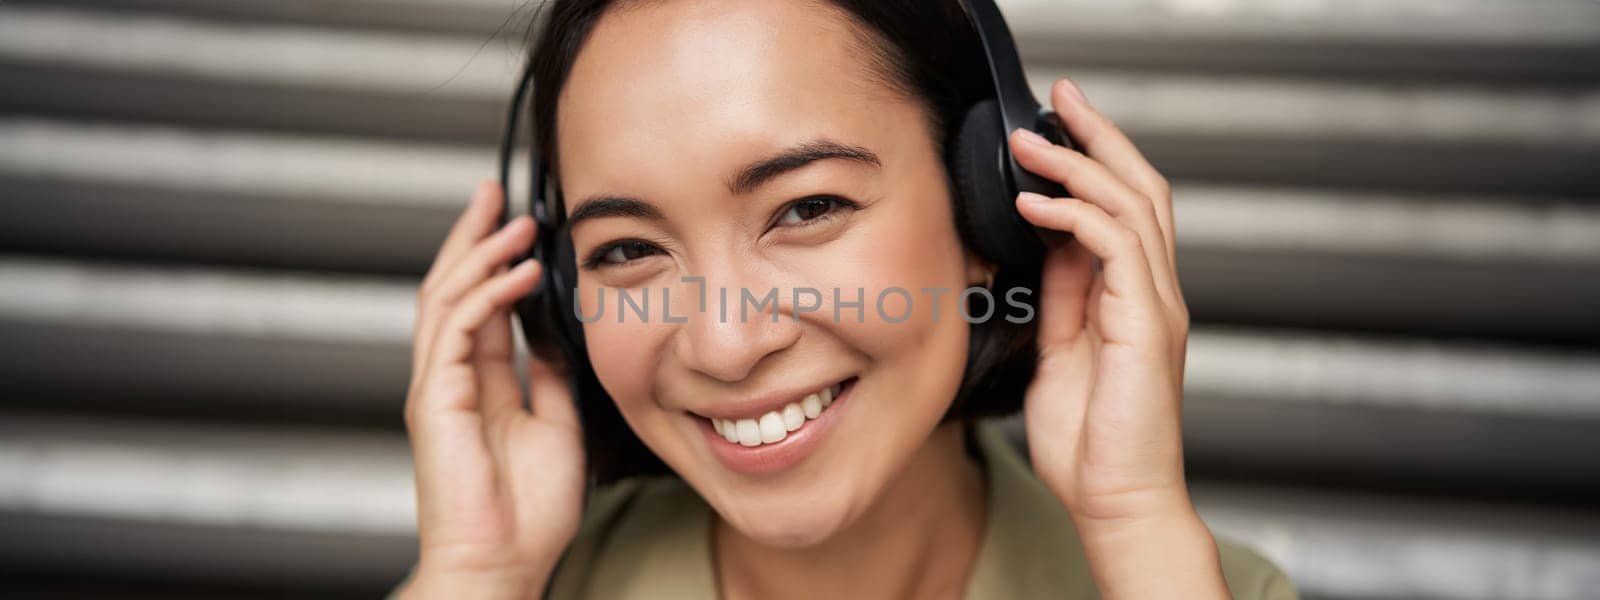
[(806, 210), (620, 253)]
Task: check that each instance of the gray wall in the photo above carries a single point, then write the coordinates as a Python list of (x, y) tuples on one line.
[(214, 213)]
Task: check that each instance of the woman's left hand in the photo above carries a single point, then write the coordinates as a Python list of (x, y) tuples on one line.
[(1103, 411)]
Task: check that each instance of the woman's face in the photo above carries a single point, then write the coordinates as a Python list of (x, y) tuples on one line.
[(752, 144)]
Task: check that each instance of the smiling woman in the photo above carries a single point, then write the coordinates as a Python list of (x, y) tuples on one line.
[(742, 146)]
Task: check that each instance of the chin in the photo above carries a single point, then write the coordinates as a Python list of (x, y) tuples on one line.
[(790, 523)]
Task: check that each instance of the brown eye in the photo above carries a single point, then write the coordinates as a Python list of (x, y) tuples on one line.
[(810, 209), (621, 253)]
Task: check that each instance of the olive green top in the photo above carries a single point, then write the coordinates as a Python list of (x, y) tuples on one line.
[(650, 538)]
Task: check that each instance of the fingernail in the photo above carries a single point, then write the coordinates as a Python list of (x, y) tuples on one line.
[(1032, 138), (1033, 197), (1073, 92)]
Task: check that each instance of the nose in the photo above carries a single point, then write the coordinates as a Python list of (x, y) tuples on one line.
[(731, 336)]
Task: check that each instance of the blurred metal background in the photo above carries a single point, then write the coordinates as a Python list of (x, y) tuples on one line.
[(213, 214)]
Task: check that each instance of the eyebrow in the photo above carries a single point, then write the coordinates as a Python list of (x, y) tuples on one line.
[(760, 172), (748, 179)]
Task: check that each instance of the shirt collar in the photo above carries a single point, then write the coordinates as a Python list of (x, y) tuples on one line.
[(1029, 549)]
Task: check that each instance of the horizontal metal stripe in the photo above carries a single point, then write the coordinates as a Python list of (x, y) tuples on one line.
[(385, 173), (462, 68), (132, 222), (1467, 228), (1449, 21), (331, 308), (1417, 166), (1456, 264), (87, 477), (473, 17), (1534, 302), (217, 376), (234, 476), (74, 93), (1543, 43), (1383, 445), (406, 64), (1280, 366), (100, 557), (1408, 62), (1454, 21), (1424, 375), (1373, 546), (1357, 287), (1287, 107), (370, 171)]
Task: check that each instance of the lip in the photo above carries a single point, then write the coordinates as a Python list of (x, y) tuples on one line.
[(755, 407), (778, 456)]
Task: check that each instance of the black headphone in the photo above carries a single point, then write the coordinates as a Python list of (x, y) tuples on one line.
[(985, 178)]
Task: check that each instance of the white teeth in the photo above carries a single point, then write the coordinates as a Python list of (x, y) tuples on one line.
[(772, 428), (793, 417), (749, 432), (812, 406), (776, 425)]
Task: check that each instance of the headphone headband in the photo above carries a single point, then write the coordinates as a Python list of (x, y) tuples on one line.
[(1013, 96), (1016, 101)]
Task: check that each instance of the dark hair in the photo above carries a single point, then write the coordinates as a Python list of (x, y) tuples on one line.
[(924, 49)]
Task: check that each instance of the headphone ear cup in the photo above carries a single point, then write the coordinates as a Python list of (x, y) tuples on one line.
[(975, 178), (560, 279), (985, 198), (551, 330)]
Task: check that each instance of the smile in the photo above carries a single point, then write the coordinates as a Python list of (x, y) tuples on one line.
[(768, 436), (775, 425)]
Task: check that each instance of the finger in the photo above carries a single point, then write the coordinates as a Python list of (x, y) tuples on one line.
[(1068, 286), (454, 383), (475, 222), (551, 394), (1091, 181), (1126, 270), (495, 337), (1064, 285), (1105, 142), (481, 261), (456, 343), (502, 400)]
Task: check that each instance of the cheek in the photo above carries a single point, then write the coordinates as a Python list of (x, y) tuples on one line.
[(624, 355), (916, 347), (899, 258), (627, 359)]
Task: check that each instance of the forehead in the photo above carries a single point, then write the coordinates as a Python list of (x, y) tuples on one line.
[(663, 84)]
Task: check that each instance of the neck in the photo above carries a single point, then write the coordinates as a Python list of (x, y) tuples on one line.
[(920, 539)]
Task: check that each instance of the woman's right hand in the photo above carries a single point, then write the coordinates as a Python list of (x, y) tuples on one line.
[(499, 489)]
